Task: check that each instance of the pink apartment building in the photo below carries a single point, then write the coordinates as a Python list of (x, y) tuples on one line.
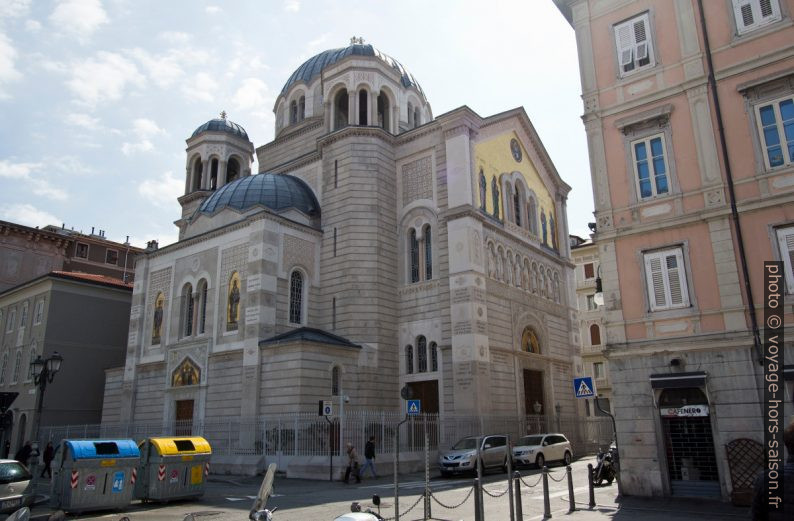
[(681, 270)]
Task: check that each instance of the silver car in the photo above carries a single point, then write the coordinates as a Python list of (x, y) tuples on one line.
[(14, 484), (462, 457), (538, 449)]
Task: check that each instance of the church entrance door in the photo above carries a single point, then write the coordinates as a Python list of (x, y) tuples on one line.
[(533, 392), (184, 418), (427, 391)]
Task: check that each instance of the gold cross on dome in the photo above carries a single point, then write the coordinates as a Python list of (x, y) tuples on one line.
[(223, 114)]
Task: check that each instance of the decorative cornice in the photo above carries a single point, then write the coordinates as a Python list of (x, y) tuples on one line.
[(356, 130), (292, 131)]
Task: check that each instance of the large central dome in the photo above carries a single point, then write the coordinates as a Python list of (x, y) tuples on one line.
[(274, 191), (312, 67)]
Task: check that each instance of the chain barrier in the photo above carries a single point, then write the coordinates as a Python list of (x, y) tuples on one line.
[(420, 498), (540, 476), (496, 494), (451, 507), (564, 475)]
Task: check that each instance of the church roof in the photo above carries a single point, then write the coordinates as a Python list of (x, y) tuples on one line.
[(274, 191), (221, 125), (312, 67), (309, 334)]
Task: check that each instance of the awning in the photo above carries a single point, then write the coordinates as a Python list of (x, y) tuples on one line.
[(678, 380)]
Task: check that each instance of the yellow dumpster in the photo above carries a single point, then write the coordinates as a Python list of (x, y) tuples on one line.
[(172, 468)]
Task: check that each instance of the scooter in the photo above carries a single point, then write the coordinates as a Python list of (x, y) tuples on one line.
[(605, 468), (356, 514)]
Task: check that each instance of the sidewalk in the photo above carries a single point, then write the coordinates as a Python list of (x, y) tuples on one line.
[(652, 509)]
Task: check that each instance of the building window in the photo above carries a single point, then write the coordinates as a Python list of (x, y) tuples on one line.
[(414, 251), (421, 353), (428, 244), (517, 207), (785, 241), (420, 254), (31, 358), (296, 297), (38, 315), (17, 367), (202, 306), (433, 357), (12, 318), (589, 270), (335, 381), (633, 42), (112, 257), (752, 14), (3, 368), (81, 250), (417, 117), (650, 166), (362, 107), (409, 359), (595, 335), (23, 318), (776, 126), (187, 310), (293, 112), (666, 278), (532, 215), (301, 108), (598, 370), (591, 304)]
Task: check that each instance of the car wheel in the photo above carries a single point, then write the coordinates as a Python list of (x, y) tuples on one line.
[(540, 461), (567, 458)]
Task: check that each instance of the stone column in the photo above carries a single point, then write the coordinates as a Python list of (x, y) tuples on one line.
[(373, 108), (351, 108), (222, 172)]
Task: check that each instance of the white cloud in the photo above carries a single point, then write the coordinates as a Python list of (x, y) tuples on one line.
[(103, 78), (32, 26), (175, 37), (46, 189), (253, 94), (292, 6), (17, 170), (79, 18), (201, 87), (8, 71), (25, 172), (144, 129), (167, 68), (14, 8), (83, 120), (162, 190), (27, 214), (212, 9), (129, 149)]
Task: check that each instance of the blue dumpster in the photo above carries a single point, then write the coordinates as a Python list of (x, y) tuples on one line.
[(94, 474)]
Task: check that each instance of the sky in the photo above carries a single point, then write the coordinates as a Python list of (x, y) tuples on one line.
[(97, 97)]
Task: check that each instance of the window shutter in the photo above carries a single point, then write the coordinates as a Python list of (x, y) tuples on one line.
[(785, 237), (655, 277), (677, 280), (766, 8), (744, 13), (623, 40)]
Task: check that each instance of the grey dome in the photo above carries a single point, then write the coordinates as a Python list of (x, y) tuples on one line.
[(274, 191), (312, 67), (221, 125)]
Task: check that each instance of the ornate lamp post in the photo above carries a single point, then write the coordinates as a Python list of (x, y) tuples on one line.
[(43, 371)]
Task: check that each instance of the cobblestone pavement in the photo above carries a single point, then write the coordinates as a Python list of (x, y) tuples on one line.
[(228, 498)]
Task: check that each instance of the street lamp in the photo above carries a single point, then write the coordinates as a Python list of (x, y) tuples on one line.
[(43, 372), (598, 298)]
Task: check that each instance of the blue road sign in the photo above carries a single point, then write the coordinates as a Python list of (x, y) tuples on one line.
[(584, 387), (414, 406)]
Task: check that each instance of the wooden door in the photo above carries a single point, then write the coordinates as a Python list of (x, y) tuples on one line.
[(533, 391), (427, 392), (184, 418)]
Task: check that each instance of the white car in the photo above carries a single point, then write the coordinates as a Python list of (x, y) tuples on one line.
[(14, 484), (537, 449)]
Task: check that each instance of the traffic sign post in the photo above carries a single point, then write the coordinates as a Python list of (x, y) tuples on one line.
[(584, 387), (413, 407)]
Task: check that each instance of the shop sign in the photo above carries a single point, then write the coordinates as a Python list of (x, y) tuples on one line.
[(687, 411)]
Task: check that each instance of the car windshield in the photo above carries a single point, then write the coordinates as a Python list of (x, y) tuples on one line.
[(12, 472), (465, 443), (529, 440)]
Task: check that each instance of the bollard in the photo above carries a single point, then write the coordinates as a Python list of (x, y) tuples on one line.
[(546, 504), (477, 500), (519, 507), (590, 485), (571, 502)]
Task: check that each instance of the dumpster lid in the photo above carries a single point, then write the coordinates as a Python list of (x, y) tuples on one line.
[(96, 449), (175, 446)]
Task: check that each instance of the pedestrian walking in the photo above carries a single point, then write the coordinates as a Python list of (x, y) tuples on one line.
[(352, 464), (49, 454), (23, 454), (369, 457)]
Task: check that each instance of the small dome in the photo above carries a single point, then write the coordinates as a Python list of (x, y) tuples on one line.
[(221, 125), (274, 191), (312, 67)]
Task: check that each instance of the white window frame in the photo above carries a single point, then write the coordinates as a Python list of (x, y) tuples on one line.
[(77, 249), (775, 103), (107, 252), (651, 169), (3, 366), (23, 317), (591, 304), (38, 314), (304, 297), (628, 49), (785, 242), (758, 19), (17, 367), (11, 320), (663, 281), (601, 373)]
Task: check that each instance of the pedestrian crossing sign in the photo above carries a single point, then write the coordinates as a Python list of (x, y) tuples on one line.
[(414, 406), (584, 387)]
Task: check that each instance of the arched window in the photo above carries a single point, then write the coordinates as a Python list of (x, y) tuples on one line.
[(296, 297), (293, 112), (197, 170), (411, 116), (428, 243), (187, 310), (3, 368), (202, 317), (595, 335), (17, 367), (417, 117), (529, 341), (433, 357), (409, 359), (532, 215), (413, 245), (302, 108), (362, 107), (383, 112), (421, 353), (335, 381), (517, 207), (23, 319), (31, 358), (340, 109), (214, 174), (232, 170)]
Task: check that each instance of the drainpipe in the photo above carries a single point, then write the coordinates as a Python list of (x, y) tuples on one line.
[(729, 177)]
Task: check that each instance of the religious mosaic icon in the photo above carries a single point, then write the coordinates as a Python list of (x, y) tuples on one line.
[(232, 309), (187, 373), (157, 320), (515, 148)]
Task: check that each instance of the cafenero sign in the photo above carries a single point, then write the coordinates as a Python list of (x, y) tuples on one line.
[(687, 411)]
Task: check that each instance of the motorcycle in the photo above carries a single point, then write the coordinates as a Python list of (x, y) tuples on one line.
[(605, 466)]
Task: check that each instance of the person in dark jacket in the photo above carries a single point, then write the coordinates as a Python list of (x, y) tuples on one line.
[(49, 454), (369, 457), (762, 508), (23, 454)]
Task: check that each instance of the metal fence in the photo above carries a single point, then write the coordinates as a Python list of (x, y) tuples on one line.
[(306, 434)]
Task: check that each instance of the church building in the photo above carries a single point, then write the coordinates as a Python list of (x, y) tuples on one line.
[(377, 247)]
